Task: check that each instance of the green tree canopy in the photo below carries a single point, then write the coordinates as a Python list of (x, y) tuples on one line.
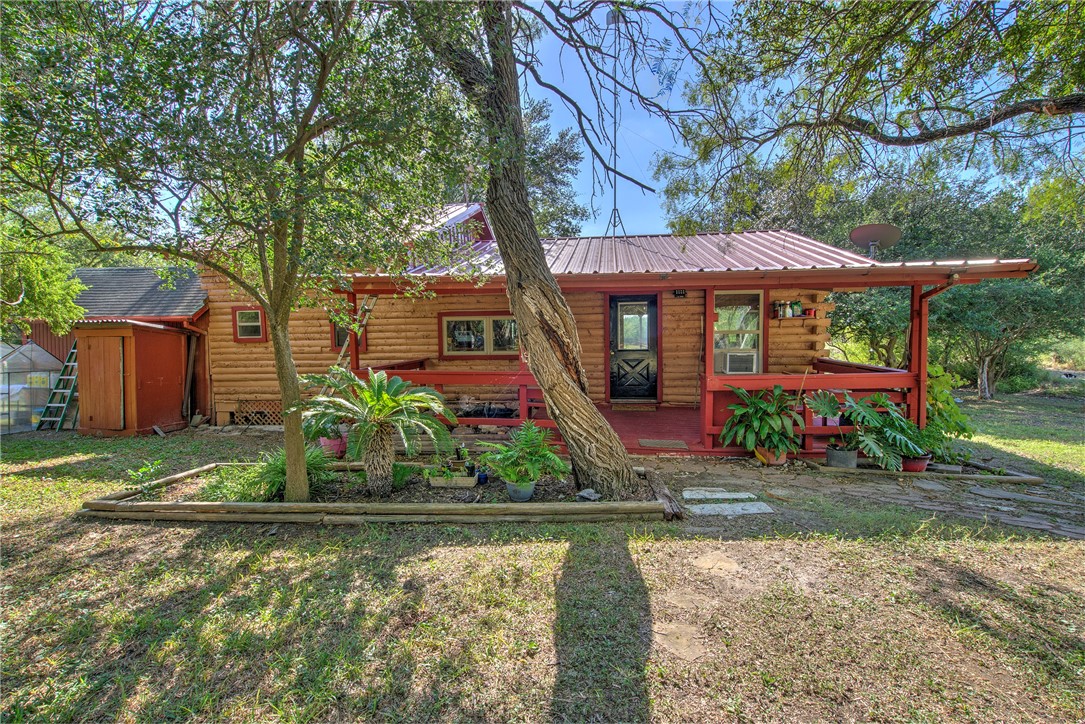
[(277, 143), (812, 81)]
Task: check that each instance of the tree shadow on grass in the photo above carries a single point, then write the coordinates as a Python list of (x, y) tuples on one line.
[(602, 633)]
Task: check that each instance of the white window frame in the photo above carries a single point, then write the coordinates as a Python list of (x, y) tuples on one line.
[(720, 353)]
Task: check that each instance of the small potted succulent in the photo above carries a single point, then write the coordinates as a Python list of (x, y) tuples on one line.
[(764, 423), (527, 456)]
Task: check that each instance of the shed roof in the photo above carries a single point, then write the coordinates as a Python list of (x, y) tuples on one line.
[(139, 292), (29, 358)]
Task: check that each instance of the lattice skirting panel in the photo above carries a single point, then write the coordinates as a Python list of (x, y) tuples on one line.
[(258, 412)]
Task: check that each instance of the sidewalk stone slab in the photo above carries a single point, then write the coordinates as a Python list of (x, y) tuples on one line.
[(1007, 495), (729, 509), (715, 494), (930, 486)]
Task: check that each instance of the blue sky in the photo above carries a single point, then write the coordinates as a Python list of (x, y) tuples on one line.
[(640, 137)]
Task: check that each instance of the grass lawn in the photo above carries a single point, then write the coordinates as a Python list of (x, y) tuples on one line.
[(889, 618), (1045, 435)]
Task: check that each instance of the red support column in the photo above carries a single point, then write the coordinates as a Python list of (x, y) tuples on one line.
[(352, 340), (917, 363)]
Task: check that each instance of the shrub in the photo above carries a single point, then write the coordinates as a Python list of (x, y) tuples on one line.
[(271, 472)]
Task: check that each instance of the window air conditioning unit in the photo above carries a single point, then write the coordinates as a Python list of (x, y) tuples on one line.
[(741, 362)]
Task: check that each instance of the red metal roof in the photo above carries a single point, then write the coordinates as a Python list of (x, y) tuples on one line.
[(667, 253)]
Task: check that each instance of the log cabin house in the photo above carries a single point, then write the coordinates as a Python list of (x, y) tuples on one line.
[(666, 323)]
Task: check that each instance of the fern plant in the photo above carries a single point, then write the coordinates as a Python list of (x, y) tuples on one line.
[(528, 456), (881, 431), (377, 409)]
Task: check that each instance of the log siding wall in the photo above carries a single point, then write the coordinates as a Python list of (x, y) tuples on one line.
[(402, 329)]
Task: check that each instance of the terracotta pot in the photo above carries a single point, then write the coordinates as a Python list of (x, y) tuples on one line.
[(770, 458), (336, 447), (914, 465)]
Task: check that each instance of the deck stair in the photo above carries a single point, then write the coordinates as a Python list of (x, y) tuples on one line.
[(64, 397)]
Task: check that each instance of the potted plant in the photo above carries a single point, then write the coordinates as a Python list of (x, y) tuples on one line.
[(377, 409), (930, 440), (527, 456), (328, 433), (764, 423), (882, 432), (842, 452)]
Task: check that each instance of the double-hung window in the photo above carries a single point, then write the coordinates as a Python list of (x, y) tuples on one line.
[(737, 333), (475, 335), (249, 324)]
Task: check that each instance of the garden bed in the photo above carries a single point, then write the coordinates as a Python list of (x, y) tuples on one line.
[(340, 502)]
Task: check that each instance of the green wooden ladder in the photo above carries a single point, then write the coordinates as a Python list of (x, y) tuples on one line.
[(62, 397)]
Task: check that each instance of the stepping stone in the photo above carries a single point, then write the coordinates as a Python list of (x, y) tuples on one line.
[(715, 494), (729, 509), (930, 486), (997, 494), (678, 639)]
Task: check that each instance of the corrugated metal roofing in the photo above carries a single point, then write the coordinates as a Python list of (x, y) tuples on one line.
[(667, 253), (138, 292)]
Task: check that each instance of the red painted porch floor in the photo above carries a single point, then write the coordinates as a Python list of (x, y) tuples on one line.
[(663, 423)]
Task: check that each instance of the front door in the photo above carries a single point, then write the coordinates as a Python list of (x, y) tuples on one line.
[(101, 383), (633, 347)]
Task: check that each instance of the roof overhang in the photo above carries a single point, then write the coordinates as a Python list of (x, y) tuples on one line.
[(904, 274), (120, 322)]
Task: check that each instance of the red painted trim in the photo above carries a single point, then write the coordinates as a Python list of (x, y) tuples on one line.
[(263, 324), (471, 314), (606, 347), (659, 346), (764, 330), (732, 280)]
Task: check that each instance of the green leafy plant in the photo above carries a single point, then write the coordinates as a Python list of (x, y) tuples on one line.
[(826, 404), (945, 419), (377, 409), (528, 456), (882, 432), (271, 473), (763, 419), (145, 473)]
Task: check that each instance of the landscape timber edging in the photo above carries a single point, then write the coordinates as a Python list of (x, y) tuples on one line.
[(1008, 477), (117, 506)]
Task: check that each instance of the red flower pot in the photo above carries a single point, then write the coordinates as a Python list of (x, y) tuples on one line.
[(914, 465), (336, 447)]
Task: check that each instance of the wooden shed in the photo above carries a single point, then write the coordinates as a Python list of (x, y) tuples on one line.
[(133, 376)]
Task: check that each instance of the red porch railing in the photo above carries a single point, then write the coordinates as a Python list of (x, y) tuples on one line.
[(529, 400), (838, 376)]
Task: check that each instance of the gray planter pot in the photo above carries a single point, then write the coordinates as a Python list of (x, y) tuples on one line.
[(520, 495), (841, 458)]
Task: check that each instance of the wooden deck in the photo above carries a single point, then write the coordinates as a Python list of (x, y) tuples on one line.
[(664, 423)]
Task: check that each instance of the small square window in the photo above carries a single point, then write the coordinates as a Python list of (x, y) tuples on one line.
[(249, 325), (340, 335)]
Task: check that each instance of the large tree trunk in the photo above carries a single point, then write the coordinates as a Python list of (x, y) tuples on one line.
[(377, 460), (297, 481), (544, 321)]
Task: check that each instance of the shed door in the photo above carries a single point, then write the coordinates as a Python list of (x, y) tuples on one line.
[(101, 383), (633, 348)]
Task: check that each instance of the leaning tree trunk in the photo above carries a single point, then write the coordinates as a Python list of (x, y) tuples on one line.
[(544, 322), (377, 460), (297, 481)]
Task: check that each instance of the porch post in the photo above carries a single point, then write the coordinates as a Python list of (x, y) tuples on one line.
[(352, 338), (708, 398), (917, 363)]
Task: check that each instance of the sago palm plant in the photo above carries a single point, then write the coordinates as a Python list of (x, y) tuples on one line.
[(377, 409)]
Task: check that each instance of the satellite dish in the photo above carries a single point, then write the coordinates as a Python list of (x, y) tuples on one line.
[(875, 236)]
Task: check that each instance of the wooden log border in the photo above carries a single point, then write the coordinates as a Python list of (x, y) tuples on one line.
[(1009, 477), (119, 506)]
